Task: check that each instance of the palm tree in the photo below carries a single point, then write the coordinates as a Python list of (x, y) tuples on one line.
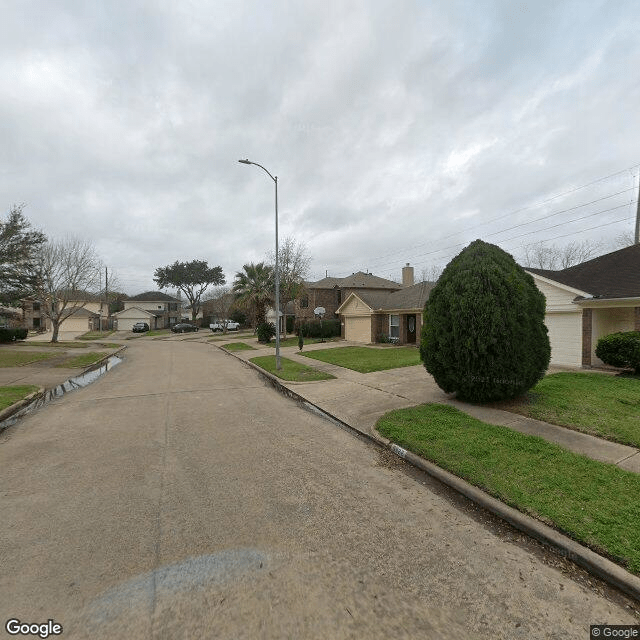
[(254, 286)]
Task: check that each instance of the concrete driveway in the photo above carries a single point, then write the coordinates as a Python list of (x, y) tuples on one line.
[(181, 497)]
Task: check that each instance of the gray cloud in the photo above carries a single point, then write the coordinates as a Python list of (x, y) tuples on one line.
[(396, 129)]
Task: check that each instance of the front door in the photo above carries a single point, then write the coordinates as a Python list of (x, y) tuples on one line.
[(411, 328)]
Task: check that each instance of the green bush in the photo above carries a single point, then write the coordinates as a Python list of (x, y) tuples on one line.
[(266, 331), (483, 334), (620, 350), (383, 338), (10, 335), (239, 316), (291, 320), (316, 329)]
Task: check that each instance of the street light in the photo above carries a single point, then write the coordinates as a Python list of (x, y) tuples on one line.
[(277, 274)]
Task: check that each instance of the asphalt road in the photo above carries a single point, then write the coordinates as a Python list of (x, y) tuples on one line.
[(181, 497)]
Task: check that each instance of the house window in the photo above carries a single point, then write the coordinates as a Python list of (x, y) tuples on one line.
[(394, 327), (36, 306), (304, 303), (36, 323)]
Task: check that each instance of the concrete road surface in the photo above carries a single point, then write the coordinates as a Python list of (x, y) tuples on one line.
[(180, 497)]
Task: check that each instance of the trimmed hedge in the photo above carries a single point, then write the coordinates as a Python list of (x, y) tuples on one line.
[(11, 335), (318, 329), (620, 350), (483, 334)]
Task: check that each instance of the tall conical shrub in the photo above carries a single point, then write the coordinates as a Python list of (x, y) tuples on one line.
[(483, 332)]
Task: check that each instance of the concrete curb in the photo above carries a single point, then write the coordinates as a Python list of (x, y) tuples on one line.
[(7, 412), (596, 564), (16, 406)]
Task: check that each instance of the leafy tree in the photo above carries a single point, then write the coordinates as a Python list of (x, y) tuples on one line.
[(483, 334), (67, 270), (222, 302), (253, 286), (19, 246), (192, 278)]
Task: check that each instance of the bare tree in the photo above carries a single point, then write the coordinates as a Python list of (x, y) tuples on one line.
[(623, 240), (222, 301), (68, 270), (293, 267), (431, 273), (542, 256)]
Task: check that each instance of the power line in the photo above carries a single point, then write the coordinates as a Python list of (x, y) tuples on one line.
[(533, 206)]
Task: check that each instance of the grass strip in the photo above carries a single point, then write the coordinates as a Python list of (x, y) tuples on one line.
[(83, 360), (60, 345), (293, 341), (368, 359), (9, 395), (601, 405), (291, 371), (237, 346), (10, 358), (94, 335), (596, 503)]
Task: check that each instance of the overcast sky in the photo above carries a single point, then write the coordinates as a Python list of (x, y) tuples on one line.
[(399, 131)]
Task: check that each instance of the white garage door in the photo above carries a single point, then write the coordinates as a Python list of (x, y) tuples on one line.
[(565, 336), (126, 324), (358, 328)]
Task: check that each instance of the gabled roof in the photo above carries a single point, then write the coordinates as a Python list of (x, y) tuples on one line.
[(359, 280), (153, 296), (145, 311), (79, 312), (409, 298), (613, 275)]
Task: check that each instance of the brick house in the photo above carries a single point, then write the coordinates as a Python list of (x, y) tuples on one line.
[(395, 315), (330, 293)]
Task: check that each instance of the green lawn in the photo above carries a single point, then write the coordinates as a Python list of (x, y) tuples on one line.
[(293, 341), (292, 371), (237, 346), (601, 405), (157, 332), (83, 360), (9, 395), (94, 335), (368, 359), (10, 358), (598, 504)]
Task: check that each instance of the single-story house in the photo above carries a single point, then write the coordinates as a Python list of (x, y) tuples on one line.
[(126, 318), (397, 315), (588, 301)]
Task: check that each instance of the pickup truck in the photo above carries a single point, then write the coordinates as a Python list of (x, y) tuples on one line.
[(219, 326)]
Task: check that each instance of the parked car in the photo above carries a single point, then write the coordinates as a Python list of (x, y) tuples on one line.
[(140, 327), (219, 326), (183, 327)]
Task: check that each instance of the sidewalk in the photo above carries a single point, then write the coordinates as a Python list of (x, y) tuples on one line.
[(359, 399)]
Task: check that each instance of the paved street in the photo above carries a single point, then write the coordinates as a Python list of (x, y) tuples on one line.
[(181, 497)]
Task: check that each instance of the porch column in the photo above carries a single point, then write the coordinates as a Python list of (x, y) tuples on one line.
[(586, 337)]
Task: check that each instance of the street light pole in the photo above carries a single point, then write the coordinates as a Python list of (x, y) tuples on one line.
[(277, 272)]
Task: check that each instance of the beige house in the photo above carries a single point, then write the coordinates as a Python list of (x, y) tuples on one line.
[(83, 313), (588, 301), (159, 310), (374, 317)]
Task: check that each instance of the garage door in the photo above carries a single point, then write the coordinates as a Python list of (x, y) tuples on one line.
[(75, 324), (126, 324), (358, 328), (565, 336)]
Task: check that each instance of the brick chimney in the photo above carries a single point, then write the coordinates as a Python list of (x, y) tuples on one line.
[(407, 276)]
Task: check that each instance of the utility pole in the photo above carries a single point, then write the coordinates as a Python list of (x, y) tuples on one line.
[(637, 238), (106, 294)]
